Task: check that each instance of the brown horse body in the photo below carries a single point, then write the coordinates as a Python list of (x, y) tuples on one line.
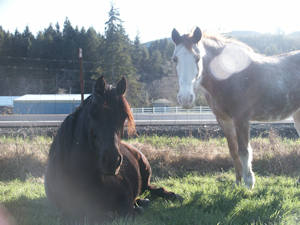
[(91, 174), (239, 85)]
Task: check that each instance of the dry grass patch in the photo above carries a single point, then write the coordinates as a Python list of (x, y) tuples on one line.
[(175, 156), (276, 156), (169, 156), (21, 158), (167, 162)]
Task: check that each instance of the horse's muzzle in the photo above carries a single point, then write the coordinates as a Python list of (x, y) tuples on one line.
[(186, 101)]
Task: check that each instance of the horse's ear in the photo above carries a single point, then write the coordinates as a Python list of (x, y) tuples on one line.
[(121, 86), (197, 35), (176, 36), (100, 86)]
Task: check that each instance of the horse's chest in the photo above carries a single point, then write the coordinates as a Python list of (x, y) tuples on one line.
[(130, 172)]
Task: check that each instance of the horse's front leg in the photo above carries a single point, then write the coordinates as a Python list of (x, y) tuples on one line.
[(245, 151), (162, 192), (230, 134), (296, 117)]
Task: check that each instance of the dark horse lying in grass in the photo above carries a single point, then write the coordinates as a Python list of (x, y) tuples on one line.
[(92, 175)]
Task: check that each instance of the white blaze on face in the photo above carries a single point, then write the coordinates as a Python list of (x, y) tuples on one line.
[(187, 71), (232, 59)]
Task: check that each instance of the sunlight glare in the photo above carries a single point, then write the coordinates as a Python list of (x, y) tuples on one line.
[(233, 59)]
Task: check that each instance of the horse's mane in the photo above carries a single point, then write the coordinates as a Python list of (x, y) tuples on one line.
[(127, 109), (220, 40), (68, 127), (130, 119)]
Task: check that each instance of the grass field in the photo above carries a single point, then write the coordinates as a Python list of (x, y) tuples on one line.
[(200, 171)]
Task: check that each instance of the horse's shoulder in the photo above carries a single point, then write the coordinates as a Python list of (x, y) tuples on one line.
[(127, 148), (134, 152), (65, 134), (139, 159)]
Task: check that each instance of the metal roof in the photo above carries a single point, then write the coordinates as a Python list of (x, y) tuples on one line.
[(7, 100), (50, 98)]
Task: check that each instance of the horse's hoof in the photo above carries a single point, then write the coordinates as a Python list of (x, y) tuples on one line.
[(138, 210), (176, 197), (179, 198), (143, 202)]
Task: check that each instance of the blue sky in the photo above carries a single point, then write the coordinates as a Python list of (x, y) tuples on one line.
[(156, 18)]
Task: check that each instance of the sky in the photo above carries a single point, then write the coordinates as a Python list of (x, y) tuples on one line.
[(155, 19)]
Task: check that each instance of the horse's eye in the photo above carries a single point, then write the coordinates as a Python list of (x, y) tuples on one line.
[(175, 59)]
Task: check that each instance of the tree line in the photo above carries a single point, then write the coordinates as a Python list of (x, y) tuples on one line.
[(48, 62)]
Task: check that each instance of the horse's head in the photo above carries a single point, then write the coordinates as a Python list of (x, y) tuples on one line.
[(188, 64), (108, 112)]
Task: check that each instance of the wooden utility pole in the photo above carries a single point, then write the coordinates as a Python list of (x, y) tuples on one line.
[(81, 76)]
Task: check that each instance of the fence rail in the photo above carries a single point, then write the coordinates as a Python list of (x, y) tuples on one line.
[(196, 109)]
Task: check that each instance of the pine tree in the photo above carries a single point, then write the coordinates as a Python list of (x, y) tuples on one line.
[(71, 40), (2, 38), (116, 52), (117, 61), (138, 55)]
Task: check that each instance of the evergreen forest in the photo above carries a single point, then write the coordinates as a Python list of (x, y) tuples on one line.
[(48, 62)]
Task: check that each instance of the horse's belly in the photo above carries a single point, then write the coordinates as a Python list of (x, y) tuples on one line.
[(273, 115), (275, 106)]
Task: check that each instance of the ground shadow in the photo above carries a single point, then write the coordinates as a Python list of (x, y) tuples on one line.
[(27, 211), (217, 209)]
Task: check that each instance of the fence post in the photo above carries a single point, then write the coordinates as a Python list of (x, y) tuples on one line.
[(81, 76)]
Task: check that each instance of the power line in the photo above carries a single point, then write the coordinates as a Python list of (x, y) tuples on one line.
[(48, 79), (45, 69), (49, 60)]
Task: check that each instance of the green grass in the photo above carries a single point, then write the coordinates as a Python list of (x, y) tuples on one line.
[(209, 199), (176, 142), (200, 171)]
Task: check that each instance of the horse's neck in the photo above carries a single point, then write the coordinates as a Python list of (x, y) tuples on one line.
[(222, 59), (212, 50)]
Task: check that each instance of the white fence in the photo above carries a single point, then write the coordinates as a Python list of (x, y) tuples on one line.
[(196, 109)]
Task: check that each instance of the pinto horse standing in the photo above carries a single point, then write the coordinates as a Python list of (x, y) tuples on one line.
[(91, 174), (239, 85)]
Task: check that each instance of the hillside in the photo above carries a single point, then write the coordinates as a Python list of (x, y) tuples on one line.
[(48, 63)]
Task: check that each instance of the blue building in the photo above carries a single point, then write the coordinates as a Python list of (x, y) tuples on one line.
[(47, 103), (7, 100)]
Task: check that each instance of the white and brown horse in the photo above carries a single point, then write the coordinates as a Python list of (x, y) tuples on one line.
[(239, 85)]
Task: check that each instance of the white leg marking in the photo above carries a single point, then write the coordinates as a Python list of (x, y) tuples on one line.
[(248, 174), (296, 117)]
